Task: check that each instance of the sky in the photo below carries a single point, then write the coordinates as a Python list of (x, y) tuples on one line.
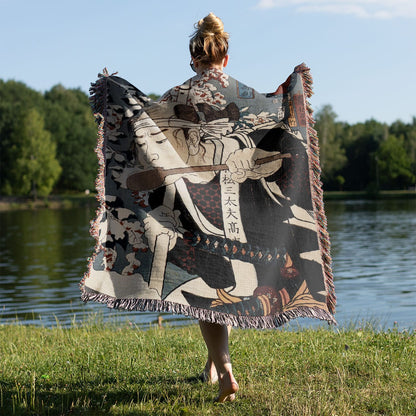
[(361, 53)]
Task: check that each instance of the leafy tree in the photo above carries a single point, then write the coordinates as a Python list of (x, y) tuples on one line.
[(15, 92), (71, 122), (332, 154), (8, 120), (34, 164), (407, 133), (153, 96), (15, 97), (394, 164), (361, 143)]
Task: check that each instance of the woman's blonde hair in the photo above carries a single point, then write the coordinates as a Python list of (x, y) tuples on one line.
[(209, 43)]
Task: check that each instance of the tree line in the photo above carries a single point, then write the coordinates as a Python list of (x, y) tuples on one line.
[(47, 143), (369, 156), (47, 140)]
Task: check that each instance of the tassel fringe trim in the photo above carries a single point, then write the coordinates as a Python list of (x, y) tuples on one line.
[(98, 102), (255, 322), (317, 193)]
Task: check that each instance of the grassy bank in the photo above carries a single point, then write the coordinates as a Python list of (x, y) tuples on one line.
[(109, 370), (344, 195), (14, 203)]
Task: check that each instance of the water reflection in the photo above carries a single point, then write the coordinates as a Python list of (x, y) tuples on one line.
[(43, 256), (374, 261)]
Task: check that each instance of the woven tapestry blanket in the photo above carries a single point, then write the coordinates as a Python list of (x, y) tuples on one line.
[(210, 202)]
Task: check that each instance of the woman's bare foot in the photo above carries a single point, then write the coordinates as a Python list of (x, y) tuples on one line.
[(228, 388)]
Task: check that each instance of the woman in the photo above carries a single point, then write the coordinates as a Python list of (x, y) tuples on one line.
[(210, 203), (209, 49)]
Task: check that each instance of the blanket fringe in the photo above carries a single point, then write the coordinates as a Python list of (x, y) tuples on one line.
[(245, 322), (98, 102), (317, 192)]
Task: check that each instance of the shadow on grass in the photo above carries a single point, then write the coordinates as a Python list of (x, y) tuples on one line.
[(100, 396)]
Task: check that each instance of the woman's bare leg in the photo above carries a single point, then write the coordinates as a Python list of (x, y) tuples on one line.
[(216, 339), (210, 374)]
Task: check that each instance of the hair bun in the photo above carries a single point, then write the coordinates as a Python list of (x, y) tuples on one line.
[(211, 25), (209, 43)]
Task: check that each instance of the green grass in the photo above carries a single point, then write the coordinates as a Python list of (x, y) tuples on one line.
[(108, 369)]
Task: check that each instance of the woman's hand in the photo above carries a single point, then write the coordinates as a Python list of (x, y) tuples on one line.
[(161, 220), (242, 164)]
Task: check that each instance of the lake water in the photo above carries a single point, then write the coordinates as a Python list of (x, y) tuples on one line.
[(43, 257)]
